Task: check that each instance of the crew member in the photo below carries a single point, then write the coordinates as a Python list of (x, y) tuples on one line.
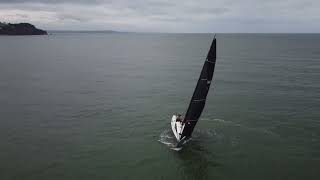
[(179, 119)]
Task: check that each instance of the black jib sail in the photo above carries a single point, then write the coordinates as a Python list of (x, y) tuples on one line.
[(199, 96)]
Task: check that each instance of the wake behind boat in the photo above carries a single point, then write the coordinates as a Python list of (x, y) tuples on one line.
[(183, 127)]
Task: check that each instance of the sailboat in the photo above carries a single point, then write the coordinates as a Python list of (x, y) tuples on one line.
[(182, 127)]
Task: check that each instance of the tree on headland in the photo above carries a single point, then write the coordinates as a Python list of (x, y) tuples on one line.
[(20, 29)]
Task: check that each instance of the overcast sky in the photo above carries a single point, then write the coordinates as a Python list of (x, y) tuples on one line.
[(166, 15)]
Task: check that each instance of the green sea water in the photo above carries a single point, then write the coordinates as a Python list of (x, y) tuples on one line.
[(98, 106)]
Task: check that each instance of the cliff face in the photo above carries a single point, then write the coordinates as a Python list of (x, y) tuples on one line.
[(20, 29)]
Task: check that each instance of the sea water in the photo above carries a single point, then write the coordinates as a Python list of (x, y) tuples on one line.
[(98, 106)]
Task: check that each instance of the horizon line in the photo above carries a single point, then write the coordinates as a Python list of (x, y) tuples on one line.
[(150, 32)]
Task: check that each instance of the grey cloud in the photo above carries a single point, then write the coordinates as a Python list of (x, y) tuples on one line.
[(166, 15), (53, 1), (65, 16)]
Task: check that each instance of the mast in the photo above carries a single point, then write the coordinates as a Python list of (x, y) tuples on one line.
[(200, 93)]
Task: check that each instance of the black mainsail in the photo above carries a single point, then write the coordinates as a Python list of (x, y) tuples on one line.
[(199, 96)]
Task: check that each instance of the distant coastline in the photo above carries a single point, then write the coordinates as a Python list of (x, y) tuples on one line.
[(83, 31), (53, 32), (20, 29)]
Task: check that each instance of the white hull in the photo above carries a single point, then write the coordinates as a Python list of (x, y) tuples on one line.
[(177, 127)]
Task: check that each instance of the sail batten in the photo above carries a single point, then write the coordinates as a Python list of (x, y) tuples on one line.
[(211, 61), (197, 100), (200, 93)]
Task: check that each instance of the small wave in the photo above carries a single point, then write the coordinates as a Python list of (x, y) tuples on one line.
[(167, 138), (166, 143), (204, 133), (261, 130), (220, 120), (216, 119), (177, 148)]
